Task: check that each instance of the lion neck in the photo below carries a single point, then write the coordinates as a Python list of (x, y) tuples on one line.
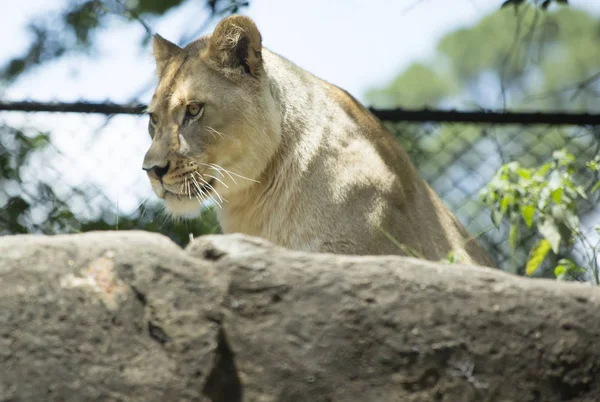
[(264, 208)]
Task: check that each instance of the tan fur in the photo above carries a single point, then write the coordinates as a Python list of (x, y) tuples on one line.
[(299, 161)]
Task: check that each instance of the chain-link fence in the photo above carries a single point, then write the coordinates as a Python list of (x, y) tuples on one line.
[(459, 160), (71, 172)]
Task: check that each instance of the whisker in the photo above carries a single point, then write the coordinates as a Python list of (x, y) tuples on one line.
[(142, 207), (219, 201), (199, 197), (165, 216), (197, 194), (214, 189), (219, 195), (213, 168), (196, 185), (212, 130), (199, 188), (202, 195), (230, 176), (217, 179), (141, 203), (187, 188), (209, 185), (218, 169), (233, 173)]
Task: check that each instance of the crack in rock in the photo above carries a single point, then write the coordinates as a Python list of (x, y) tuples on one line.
[(223, 382), (157, 333)]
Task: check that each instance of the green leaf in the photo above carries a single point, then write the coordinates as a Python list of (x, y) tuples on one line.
[(596, 187), (536, 256), (541, 172), (567, 268), (451, 257), (579, 190), (524, 173), (550, 231), (571, 220), (557, 195), (562, 216), (40, 141), (507, 200), (496, 217), (562, 157), (513, 236), (560, 271), (528, 211)]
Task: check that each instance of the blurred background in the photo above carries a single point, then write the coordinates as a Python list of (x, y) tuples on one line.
[(70, 172)]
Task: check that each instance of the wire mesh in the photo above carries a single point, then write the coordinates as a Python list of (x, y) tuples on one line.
[(73, 172)]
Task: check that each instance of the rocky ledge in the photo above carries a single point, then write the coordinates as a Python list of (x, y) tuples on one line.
[(130, 316)]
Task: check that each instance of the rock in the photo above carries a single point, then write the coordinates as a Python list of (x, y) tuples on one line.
[(129, 316)]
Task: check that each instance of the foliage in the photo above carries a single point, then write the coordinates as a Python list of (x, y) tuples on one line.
[(527, 57), (30, 202), (531, 59), (418, 84), (546, 199), (544, 4), (33, 206), (15, 149), (73, 28)]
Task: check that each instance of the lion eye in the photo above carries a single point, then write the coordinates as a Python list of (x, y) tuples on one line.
[(194, 109), (153, 119)]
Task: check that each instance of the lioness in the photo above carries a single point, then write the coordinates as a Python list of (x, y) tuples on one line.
[(286, 156)]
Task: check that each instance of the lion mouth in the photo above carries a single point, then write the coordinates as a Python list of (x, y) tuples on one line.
[(205, 189), (193, 190)]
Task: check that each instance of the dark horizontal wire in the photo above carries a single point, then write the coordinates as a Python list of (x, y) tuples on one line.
[(395, 115)]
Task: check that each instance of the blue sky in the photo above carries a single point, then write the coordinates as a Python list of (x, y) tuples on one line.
[(356, 44)]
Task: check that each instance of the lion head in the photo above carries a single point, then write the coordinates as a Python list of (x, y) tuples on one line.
[(212, 118)]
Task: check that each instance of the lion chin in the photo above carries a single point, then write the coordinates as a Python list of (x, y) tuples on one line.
[(182, 207)]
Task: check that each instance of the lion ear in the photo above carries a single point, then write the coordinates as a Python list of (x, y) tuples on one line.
[(163, 52), (236, 44)]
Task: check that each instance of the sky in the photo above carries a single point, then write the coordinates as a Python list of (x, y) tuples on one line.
[(355, 44)]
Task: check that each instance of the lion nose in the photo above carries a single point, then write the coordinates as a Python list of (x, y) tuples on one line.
[(158, 171)]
